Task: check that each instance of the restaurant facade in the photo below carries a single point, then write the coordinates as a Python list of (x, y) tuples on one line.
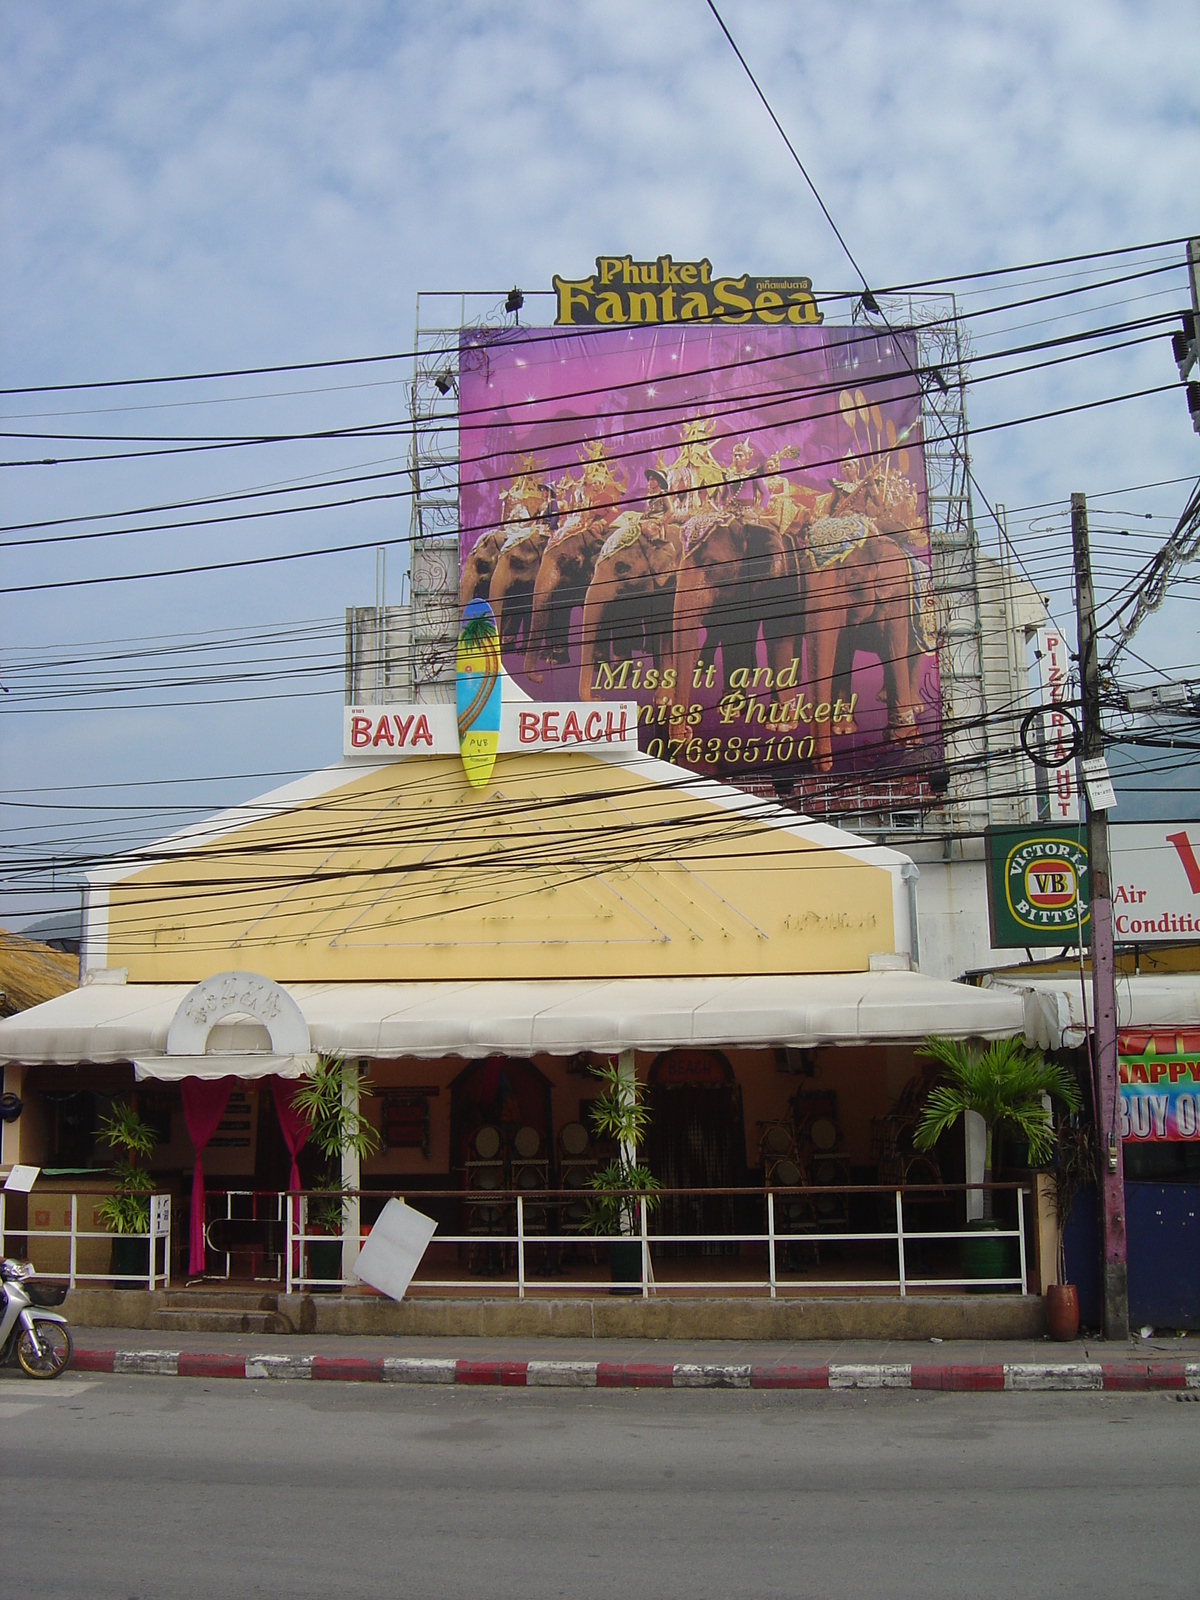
[(476, 952)]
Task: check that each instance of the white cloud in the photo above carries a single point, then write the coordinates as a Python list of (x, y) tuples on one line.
[(218, 182)]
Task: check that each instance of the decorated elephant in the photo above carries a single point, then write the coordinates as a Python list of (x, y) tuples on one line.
[(630, 600), (476, 577), (569, 559), (510, 590), (737, 573), (565, 570), (861, 590), (883, 498)]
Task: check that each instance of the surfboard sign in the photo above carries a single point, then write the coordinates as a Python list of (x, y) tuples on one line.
[(477, 692)]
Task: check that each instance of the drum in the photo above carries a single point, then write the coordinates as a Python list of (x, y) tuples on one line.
[(527, 1143), (574, 1139), (488, 1143), (823, 1134)]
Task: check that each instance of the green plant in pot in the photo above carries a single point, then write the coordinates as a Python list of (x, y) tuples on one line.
[(1074, 1170), (619, 1115), (337, 1127), (126, 1212), (1005, 1084)]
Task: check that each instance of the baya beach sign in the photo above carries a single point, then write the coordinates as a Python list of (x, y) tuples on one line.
[(481, 723), (392, 732)]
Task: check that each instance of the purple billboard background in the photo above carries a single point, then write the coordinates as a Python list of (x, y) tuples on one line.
[(794, 412)]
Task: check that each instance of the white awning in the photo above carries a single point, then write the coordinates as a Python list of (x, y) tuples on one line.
[(1055, 1004), (113, 1022), (222, 1064)]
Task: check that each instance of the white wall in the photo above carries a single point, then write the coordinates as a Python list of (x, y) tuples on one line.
[(952, 911)]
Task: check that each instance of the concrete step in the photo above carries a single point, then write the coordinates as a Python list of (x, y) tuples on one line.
[(199, 1319), (220, 1300)]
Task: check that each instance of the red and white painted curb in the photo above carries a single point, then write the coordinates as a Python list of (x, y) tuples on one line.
[(1121, 1376)]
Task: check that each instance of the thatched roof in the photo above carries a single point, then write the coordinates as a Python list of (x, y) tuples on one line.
[(32, 972)]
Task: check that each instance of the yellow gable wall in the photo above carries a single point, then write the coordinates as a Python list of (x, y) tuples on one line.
[(559, 868)]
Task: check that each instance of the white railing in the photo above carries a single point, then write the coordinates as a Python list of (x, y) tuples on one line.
[(897, 1239), (158, 1234)]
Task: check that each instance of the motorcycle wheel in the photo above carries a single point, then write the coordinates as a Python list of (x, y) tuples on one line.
[(57, 1349)]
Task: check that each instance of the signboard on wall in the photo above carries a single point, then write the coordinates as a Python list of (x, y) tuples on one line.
[(1034, 874), (1159, 1075), (1155, 881), (392, 732), (727, 525), (1038, 887)]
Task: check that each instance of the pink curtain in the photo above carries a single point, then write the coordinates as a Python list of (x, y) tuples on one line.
[(291, 1124), (295, 1131), (204, 1102)]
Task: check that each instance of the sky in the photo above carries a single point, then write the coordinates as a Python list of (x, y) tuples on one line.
[(194, 186)]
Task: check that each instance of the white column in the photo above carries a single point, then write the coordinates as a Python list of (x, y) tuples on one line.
[(627, 1070), (351, 1176), (975, 1137), (10, 1136)]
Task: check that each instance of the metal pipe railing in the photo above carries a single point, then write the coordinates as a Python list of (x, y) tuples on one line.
[(158, 1232), (519, 1239), (293, 1208)]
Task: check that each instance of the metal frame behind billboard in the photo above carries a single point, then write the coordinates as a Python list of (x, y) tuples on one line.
[(728, 525)]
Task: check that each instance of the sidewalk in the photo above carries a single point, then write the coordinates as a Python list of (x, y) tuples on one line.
[(1142, 1364)]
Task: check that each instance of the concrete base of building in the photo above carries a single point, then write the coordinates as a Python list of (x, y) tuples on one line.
[(831, 1318)]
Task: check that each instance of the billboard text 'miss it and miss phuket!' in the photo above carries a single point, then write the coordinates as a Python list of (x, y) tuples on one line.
[(724, 524)]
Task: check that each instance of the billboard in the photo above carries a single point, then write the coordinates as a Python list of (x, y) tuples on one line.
[(727, 525)]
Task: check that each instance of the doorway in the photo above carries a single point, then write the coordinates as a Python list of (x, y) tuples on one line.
[(696, 1141)]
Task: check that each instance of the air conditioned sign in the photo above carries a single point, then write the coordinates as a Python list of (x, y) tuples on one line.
[(1155, 881)]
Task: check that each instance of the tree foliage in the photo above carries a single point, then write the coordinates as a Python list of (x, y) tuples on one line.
[(127, 1209), (336, 1124), (1004, 1084)]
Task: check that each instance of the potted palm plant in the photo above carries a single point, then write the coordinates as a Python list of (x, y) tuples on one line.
[(1074, 1170), (620, 1115), (126, 1212), (1005, 1085), (336, 1127)]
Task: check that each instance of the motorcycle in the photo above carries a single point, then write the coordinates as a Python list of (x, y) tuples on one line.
[(31, 1334)]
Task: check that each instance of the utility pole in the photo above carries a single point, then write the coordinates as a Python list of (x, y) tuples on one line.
[(1111, 1173)]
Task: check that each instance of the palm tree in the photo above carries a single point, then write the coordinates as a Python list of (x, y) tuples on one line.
[(1005, 1084)]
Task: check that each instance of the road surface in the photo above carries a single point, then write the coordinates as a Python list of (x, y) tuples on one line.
[(162, 1488)]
